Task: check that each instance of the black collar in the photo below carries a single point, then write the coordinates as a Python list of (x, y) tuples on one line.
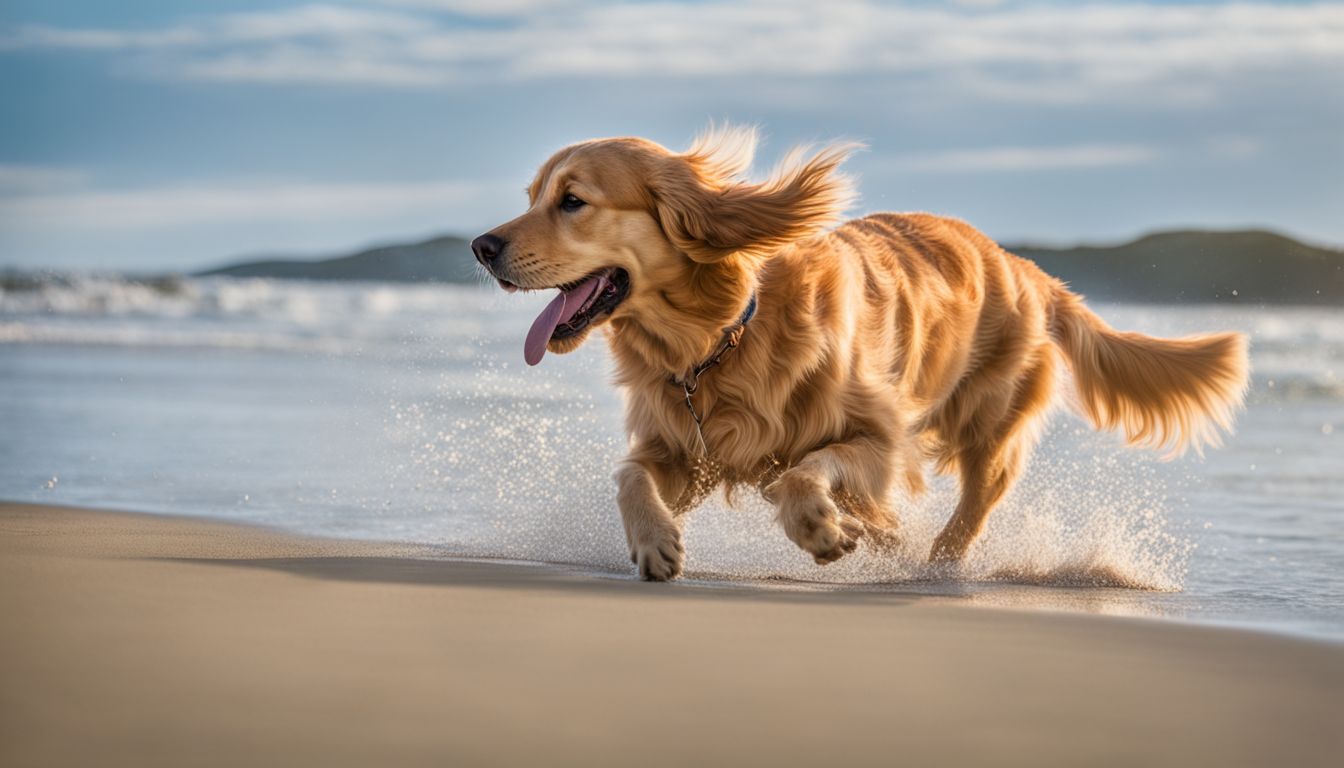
[(732, 336)]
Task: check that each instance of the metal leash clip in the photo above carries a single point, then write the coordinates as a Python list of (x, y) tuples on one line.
[(731, 338), (689, 388)]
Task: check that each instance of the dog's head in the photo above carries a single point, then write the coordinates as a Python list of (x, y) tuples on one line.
[(624, 227)]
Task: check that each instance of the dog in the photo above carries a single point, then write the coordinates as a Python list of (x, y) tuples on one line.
[(760, 344)]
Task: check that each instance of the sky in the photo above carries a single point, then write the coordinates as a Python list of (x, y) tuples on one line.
[(160, 135)]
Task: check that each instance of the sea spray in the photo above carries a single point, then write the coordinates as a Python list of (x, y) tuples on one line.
[(516, 469), (520, 468)]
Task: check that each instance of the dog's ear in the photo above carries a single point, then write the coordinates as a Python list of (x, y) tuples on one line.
[(710, 213)]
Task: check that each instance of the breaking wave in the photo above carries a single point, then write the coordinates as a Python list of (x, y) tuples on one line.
[(328, 318), (1298, 352)]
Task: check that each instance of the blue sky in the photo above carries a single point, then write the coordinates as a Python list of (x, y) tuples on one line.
[(173, 135)]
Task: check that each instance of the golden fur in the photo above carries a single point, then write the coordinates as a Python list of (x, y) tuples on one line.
[(888, 341)]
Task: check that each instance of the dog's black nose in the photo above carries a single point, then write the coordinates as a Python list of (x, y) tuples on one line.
[(487, 249)]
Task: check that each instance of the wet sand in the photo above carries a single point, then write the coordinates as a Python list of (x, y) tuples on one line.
[(144, 640)]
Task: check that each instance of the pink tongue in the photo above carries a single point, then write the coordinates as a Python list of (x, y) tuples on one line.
[(561, 309)]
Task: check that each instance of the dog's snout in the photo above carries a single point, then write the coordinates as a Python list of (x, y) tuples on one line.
[(487, 249)]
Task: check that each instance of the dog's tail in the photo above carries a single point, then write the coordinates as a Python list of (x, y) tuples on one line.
[(1168, 394)]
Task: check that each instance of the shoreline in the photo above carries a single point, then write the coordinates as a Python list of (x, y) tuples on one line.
[(157, 639), (1046, 599)]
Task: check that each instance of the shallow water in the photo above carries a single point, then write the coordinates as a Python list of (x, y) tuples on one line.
[(406, 413)]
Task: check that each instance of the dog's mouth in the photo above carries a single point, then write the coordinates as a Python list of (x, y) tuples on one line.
[(579, 304)]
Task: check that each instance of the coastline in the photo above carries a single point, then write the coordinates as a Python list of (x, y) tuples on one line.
[(155, 640)]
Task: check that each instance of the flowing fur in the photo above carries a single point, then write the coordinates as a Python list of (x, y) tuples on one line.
[(1165, 394), (888, 341)]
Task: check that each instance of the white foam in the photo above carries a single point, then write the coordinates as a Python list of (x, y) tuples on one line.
[(1298, 352), (327, 318)]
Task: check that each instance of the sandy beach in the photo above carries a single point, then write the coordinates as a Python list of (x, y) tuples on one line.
[(145, 640)]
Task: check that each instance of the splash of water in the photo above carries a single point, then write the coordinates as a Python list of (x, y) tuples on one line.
[(522, 470)]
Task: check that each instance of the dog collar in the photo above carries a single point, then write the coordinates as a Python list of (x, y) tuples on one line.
[(732, 336)]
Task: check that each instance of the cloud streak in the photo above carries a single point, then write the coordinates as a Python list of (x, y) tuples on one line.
[(1013, 159), (183, 205), (52, 214), (36, 179), (1013, 52)]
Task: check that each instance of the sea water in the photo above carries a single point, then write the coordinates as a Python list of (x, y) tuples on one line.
[(406, 413)]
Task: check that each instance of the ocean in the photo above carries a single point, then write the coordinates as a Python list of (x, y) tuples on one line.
[(405, 413)]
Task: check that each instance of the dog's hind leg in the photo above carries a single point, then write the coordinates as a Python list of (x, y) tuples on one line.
[(836, 494), (989, 467), (986, 474)]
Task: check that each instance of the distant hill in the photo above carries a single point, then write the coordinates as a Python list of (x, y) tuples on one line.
[(1247, 267), (445, 259)]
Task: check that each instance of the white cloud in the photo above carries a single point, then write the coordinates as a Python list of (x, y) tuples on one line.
[(184, 225), (295, 65), (182, 205), (314, 21), (1001, 159), (329, 24), (30, 179), (1013, 52), (483, 8)]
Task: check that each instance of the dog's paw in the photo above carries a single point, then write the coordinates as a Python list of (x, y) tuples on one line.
[(659, 557), (949, 547), (812, 521)]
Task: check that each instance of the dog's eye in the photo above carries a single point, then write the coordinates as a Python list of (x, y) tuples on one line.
[(571, 203)]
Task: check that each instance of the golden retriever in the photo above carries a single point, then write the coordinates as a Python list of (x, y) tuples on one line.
[(757, 345)]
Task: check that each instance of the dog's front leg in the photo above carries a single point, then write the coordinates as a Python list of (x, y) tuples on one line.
[(642, 485), (804, 494)]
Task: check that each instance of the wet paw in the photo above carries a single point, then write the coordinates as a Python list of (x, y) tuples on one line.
[(812, 521), (659, 557), (949, 547)]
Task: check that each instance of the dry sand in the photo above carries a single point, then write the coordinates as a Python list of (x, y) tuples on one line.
[(138, 640)]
